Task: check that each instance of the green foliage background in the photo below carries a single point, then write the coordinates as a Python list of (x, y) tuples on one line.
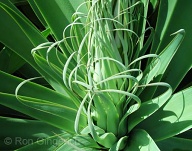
[(46, 109)]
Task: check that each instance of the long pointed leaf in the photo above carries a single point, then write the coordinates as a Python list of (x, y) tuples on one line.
[(174, 116), (16, 133), (140, 140), (175, 143), (171, 19)]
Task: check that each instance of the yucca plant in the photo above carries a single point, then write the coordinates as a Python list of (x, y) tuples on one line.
[(110, 76)]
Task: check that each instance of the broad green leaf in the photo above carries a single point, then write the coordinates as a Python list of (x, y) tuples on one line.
[(16, 133), (122, 142), (149, 107), (140, 140), (166, 10), (62, 9), (168, 53), (63, 141), (18, 32), (155, 117), (165, 58), (107, 139), (32, 90), (21, 29), (171, 19), (39, 112), (59, 17), (25, 35), (47, 103), (175, 144), (60, 142), (112, 115), (80, 143), (47, 143), (56, 73), (173, 118)]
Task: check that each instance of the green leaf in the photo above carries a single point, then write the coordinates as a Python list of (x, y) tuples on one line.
[(122, 142), (168, 53), (39, 112), (32, 130), (140, 140), (21, 36), (165, 58), (42, 106), (171, 19), (25, 35), (62, 9), (175, 144), (57, 21), (149, 107), (47, 143), (56, 74), (59, 17), (22, 31), (173, 118), (31, 90), (80, 143)]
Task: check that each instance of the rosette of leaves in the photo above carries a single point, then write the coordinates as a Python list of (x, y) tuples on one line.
[(105, 71)]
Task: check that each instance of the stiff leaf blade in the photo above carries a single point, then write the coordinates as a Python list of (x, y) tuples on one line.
[(140, 140), (173, 118)]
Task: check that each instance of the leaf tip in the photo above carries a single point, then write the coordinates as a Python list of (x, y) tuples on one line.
[(181, 31)]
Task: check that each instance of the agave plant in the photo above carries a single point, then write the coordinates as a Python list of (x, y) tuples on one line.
[(109, 77)]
